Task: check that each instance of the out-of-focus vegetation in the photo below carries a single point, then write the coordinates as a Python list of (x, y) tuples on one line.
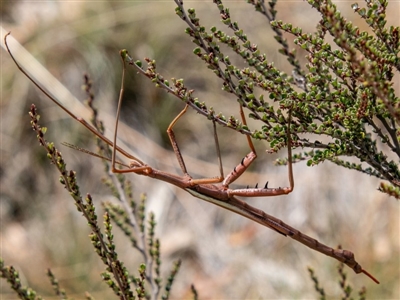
[(41, 227)]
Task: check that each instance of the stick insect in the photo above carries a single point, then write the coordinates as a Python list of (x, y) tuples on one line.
[(206, 188)]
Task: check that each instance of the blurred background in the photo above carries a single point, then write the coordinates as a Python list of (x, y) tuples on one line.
[(224, 255)]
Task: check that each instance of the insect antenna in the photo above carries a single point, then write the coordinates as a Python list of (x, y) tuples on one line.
[(92, 153)]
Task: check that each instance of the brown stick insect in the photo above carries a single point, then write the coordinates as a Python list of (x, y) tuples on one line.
[(208, 189)]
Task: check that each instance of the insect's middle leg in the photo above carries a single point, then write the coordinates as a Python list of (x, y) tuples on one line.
[(178, 154)]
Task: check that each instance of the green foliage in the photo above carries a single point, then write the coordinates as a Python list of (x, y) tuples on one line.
[(344, 93), (12, 276), (116, 275), (56, 287)]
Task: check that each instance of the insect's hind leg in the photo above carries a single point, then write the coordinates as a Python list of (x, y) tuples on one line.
[(258, 192), (246, 161)]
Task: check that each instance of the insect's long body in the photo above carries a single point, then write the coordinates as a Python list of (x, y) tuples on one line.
[(205, 192), (221, 196)]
